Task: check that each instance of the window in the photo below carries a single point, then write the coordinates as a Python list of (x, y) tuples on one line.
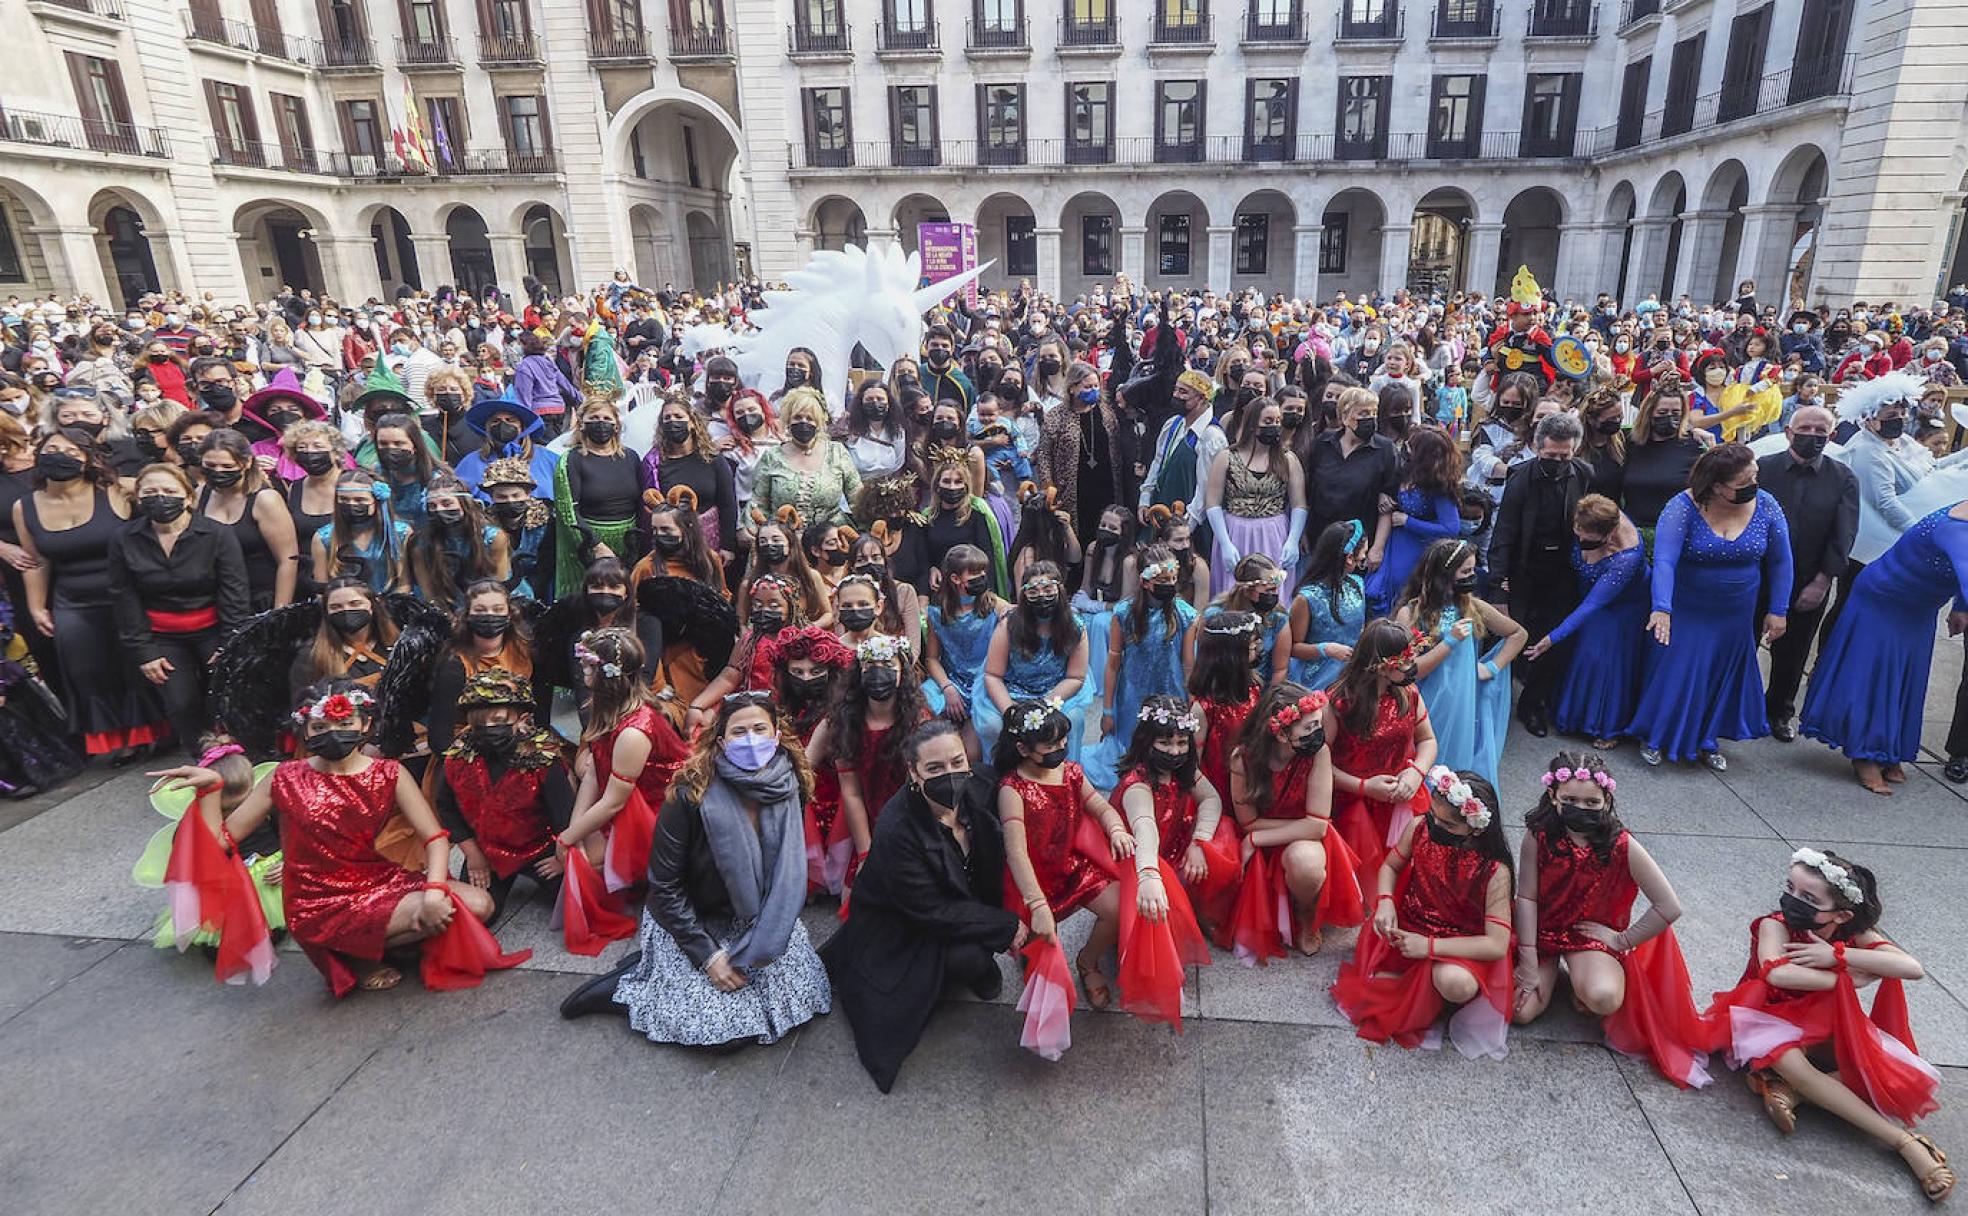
[(912, 123), (1270, 119), (999, 16), (1179, 120), (1633, 103), (1097, 245), (1362, 117), (1368, 19), (621, 20), (908, 16), (1742, 71), (702, 16), (423, 21), (1001, 124), (105, 106), (233, 123), (525, 121), (445, 130), (1464, 17), (1253, 243), (1089, 22), (1682, 72), (1818, 66), (1172, 246), (11, 269), (291, 124), (344, 20), (508, 18), (1021, 245), (1551, 102), (1273, 14), (1179, 20), (821, 18), (1090, 123), (362, 130), (1455, 118), (828, 139), (1332, 242), (637, 164)]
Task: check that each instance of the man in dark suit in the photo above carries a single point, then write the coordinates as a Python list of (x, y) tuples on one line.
[(1530, 554), (1820, 501), (926, 911)]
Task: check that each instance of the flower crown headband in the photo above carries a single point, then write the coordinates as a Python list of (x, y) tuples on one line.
[(1162, 715), (1287, 717), (1225, 629), (866, 580), (1838, 876), (1452, 789), (585, 654), (1416, 640), (882, 647), (1036, 716), (785, 585), (1600, 777), (1155, 570), (335, 707)]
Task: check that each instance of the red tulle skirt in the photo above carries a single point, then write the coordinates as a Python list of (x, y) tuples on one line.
[(209, 891), (460, 956), (1390, 997), (1372, 828), (1155, 955), (1047, 1000), (1877, 1058), (829, 846), (1264, 922), (1657, 1021), (630, 836), (587, 916)]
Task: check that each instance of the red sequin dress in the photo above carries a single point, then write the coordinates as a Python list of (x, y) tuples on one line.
[(1371, 827), (1053, 815), (1443, 892), (1267, 917), (633, 830), (339, 892), (1154, 957), (1226, 722), (827, 843), (1755, 1022), (1657, 1020)]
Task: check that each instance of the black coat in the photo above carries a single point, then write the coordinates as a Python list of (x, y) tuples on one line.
[(916, 899), (1511, 553)]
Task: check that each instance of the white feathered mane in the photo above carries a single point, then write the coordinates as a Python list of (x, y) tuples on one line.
[(1863, 400)]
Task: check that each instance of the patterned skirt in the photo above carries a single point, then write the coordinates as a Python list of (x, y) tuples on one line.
[(671, 1001)]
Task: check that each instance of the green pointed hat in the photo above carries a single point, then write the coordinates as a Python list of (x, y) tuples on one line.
[(382, 383)]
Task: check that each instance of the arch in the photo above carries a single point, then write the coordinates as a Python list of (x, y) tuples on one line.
[(1090, 242), (837, 222), (1350, 245), (276, 240), (1722, 183), (1669, 197), (615, 150), (1621, 203), (124, 224), (680, 154), (1797, 189), (1263, 244), (913, 209), (472, 268), (1719, 242), (544, 234), (1800, 177), (1531, 224), (1621, 207), (1007, 237), (27, 216), (1439, 246), (396, 253), (1178, 241), (708, 264)]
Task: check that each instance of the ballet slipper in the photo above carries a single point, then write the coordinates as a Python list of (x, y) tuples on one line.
[(1780, 1101)]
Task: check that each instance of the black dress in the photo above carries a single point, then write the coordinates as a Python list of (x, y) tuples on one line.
[(14, 487), (260, 566), (306, 524), (1654, 473)]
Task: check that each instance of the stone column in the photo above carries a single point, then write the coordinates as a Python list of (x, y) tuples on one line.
[(1306, 239), (879, 237), (508, 260), (1050, 279), (82, 264), (1134, 254), (349, 265), (1581, 250), (1647, 264), (433, 258), (1479, 266), (1394, 240), (1701, 251), (1222, 257), (1765, 250)]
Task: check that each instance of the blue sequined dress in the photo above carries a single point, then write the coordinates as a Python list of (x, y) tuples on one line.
[(1431, 517), (1150, 666), (1596, 694), (1029, 678), (1337, 620)]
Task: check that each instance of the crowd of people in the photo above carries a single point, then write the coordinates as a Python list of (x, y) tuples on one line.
[(1206, 614)]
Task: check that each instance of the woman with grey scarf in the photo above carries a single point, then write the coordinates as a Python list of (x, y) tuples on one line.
[(724, 958)]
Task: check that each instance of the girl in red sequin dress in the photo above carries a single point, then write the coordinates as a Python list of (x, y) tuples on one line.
[(631, 752), (1579, 870), (1223, 686), (874, 709), (1298, 873), (1799, 999), (1441, 929), (346, 903), (1382, 744), (1162, 786), (1055, 860), (806, 667)]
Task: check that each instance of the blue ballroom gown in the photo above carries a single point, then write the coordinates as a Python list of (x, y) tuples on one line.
[(1597, 693), (1431, 517), (1030, 678), (1150, 667), (962, 643), (1470, 715)]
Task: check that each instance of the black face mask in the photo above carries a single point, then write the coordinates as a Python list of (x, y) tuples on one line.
[(1163, 592), (1264, 601), (1246, 395), (674, 431), (1444, 837), (599, 430), (750, 423), (496, 739), (1050, 759), (1588, 545), (975, 585), (355, 516), (503, 432), (604, 602), (313, 463), (1665, 428), (1110, 536), (1293, 420), (217, 396), (1552, 467), (1270, 435), (1800, 914), (1014, 389), (717, 392), (1744, 496), (795, 377), (807, 689), (1508, 413), (349, 620), (1167, 762), (93, 430), (768, 620), (1807, 447), (188, 452), (1404, 675), (939, 358), (1235, 373), (1048, 368), (487, 624), (1465, 586), (950, 496), (945, 789), (945, 430), (161, 508), (772, 554), (58, 466), (1365, 429), (152, 446), (667, 544), (397, 460), (1892, 428), (334, 744), (1607, 426), (450, 403), (833, 559), (880, 683), (1581, 819), (857, 619), (1397, 424), (803, 431), (448, 518), (224, 478), (872, 570), (509, 513), (1309, 745), (1042, 607)]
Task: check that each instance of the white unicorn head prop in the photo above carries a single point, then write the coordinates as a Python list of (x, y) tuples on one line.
[(842, 298), (1865, 399)]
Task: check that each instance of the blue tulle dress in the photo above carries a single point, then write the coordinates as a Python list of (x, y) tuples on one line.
[(1431, 517), (1470, 715), (962, 643), (1869, 689), (1332, 620), (1031, 678), (1096, 617), (1150, 667), (1704, 686), (1597, 693)]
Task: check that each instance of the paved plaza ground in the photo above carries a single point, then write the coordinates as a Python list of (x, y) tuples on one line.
[(133, 1084)]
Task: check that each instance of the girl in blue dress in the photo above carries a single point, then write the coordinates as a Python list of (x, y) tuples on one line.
[(1597, 693), (1426, 510), (363, 540), (1717, 546), (1467, 644), (1869, 689), (1038, 652), (1330, 608), (1146, 653), (963, 612), (1105, 580), (1259, 582)]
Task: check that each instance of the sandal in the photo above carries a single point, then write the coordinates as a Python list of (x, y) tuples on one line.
[(1937, 1180), (1779, 1099), (1311, 941), (1870, 777), (382, 979), (1604, 745), (1097, 997)]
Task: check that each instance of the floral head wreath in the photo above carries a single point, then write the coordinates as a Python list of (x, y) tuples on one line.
[(1182, 718), (1838, 876), (1452, 789), (1230, 624), (1599, 777), (1416, 641), (336, 706), (586, 654), (1036, 716), (811, 642), (882, 647), (864, 580), (1273, 577), (785, 586), (1155, 570), (1288, 716)]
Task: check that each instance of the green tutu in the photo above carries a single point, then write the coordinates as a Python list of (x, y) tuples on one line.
[(149, 870)]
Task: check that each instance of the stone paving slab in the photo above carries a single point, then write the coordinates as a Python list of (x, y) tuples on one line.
[(33, 968)]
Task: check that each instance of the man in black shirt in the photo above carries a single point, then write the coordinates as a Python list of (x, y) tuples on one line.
[(1820, 501), (1530, 554)]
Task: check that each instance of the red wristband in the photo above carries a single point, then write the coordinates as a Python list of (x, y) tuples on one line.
[(1381, 896), (439, 834), (438, 886), (1838, 956), (1431, 947)]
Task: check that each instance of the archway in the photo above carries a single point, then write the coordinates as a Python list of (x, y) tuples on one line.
[(709, 261), (1263, 245), (1665, 208), (472, 268), (837, 223), (396, 254), (1090, 242), (1438, 248), (916, 209), (1530, 237), (1007, 238), (276, 247), (1349, 243), (1796, 195), (545, 235), (1620, 210), (681, 159), (647, 236), (123, 232), (1178, 241), (24, 260), (1720, 235)]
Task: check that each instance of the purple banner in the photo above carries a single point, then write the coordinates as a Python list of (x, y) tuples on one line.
[(948, 250)]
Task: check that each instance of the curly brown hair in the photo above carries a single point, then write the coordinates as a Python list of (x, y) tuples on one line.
[(695, 775)]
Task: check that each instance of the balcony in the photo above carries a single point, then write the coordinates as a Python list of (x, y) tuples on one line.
[(619, 46), (1267, 31), (997, 41), (1465, 23), (1145, 152), (1816, 80), (1001, 152), (241, 36), (1088, 38), (85, 134), (907, 42), (426, 54), (915, 156), (1196, 34), (105, 16), (388, 167), (1633, 12), (347, 55), (256, 155), (1368, 24), (1563, 21), (805, 45), (505, 50), (699, 44)]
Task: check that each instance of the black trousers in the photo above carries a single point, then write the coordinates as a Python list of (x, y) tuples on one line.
[(1789, 655), (1541, 597), (1845, 582), (1957, 740), (183, 691)]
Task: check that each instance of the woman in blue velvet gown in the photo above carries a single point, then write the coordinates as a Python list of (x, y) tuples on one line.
[(1718, 544), (1597, 693), (1426, 512), (1145, 657), (1330, 608), (1466, 646), (1869, 689)]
